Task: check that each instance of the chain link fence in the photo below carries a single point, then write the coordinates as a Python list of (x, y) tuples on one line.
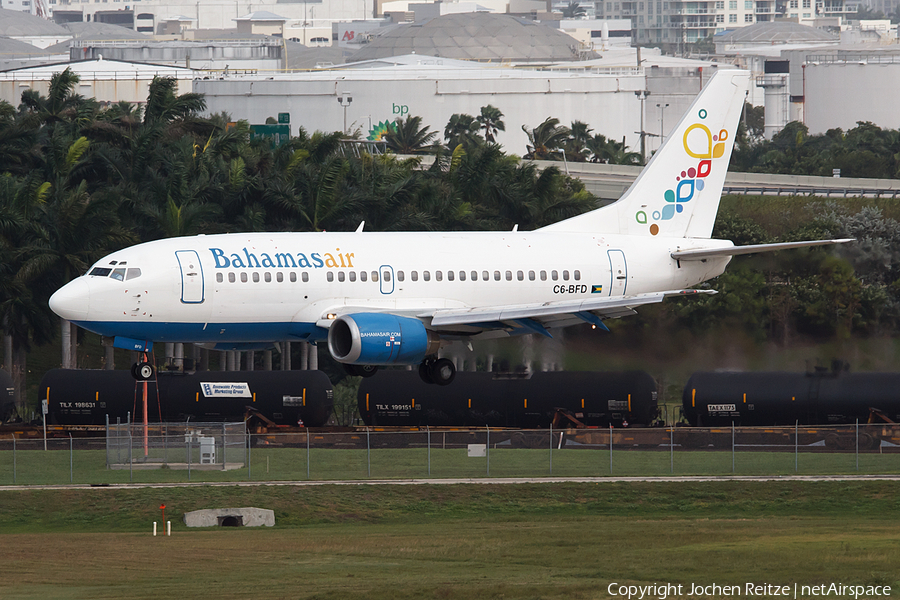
[(227, 452)]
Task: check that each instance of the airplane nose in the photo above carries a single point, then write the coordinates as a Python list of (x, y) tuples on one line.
[(72, 301)]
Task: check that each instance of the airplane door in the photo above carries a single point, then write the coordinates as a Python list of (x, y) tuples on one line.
[(618, 271), (387, 279), (191, 276)]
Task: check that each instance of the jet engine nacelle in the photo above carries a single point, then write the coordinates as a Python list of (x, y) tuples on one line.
[(380, 339)]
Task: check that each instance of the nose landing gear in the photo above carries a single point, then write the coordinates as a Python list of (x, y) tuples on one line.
[(143, 370)]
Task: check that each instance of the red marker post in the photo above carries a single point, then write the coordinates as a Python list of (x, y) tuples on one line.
[(162, 507)]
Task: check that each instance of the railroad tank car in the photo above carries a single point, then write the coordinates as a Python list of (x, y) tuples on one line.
[(86, 397), (401, 398), (7, 396), (781, 398)]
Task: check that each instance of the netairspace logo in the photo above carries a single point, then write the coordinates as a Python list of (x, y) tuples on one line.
[(661, 591)]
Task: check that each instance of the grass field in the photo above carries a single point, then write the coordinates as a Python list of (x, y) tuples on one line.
[(36, 467), (534, 541)]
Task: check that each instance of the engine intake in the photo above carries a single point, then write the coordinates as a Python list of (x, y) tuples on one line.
[(380, 339)]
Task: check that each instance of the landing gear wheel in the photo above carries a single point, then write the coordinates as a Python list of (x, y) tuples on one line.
[(360, 370), (143, 371), (442, 371), (424, 371)]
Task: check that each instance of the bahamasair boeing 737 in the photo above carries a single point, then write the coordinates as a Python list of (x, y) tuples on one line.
[(395, 298)]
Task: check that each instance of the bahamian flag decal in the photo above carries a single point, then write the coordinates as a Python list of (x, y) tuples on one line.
[(597, 289)]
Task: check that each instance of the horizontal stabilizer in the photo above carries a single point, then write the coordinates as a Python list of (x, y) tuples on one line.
[(704, 253)]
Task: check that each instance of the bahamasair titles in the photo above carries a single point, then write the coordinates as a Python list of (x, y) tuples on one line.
[(384, 299)]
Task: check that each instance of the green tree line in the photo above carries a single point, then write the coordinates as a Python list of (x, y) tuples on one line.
[(79, 180)]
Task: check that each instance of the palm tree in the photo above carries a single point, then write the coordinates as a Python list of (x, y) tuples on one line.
[(545, 139), (577, 145), (573, 10), (490, 121), (462, 129), (409, 137), (612, 152)]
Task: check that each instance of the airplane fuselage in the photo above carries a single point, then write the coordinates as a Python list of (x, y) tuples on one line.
[(264, 287)]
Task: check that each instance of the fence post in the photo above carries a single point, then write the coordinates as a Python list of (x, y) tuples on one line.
[(189, 442), (71, 460), (368, 454), (130, 457), (428, 431), (610, 448), (15, 473), (551, 448), (672, 449), (224, 447), (107, 441), (857, 443), (796, 446), (487, 448), (732, 446), (249, 446), (307, 452)]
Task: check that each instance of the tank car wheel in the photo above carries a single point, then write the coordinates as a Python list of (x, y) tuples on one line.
[(360, 370), (442, 371), (143, 371)]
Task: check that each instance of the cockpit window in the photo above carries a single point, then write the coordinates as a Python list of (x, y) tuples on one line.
[(132, 274), (118, 274), (100, 272)]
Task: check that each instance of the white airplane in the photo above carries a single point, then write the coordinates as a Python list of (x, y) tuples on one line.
[(395, 298)]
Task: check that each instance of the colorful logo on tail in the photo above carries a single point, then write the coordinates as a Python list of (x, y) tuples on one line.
[(699, 143)]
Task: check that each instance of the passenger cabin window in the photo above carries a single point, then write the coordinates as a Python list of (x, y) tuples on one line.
[(352, 275), (305, 277), (329, 276), (450, 275), (438, 276), (474, 275), (363, 276), (400, 276), (386, 275), (565, 275), (374, 276), (554, 275), (118, 274), (132, 274), (530, 275), (341, 276), (255, 277), (543, 275), (414, 275), (426, 275), (520, 275), (219, 278), (268, 277), (243, 278), (231, 278), (462, 275), (577, 275), (279, 277), (293, 277), (496, 275), (509, 275), (485, 276)]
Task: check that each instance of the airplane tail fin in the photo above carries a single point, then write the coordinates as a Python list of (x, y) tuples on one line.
[(677, 194)]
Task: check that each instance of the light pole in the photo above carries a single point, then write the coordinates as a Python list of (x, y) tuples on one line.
[(642, 95), (662, 122), (345, 99)]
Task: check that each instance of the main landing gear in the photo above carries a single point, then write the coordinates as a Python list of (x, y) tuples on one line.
[(143, 370), (437, 370)]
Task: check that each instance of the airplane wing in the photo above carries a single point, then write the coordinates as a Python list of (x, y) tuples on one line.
[(704, 253), (539, 316)]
